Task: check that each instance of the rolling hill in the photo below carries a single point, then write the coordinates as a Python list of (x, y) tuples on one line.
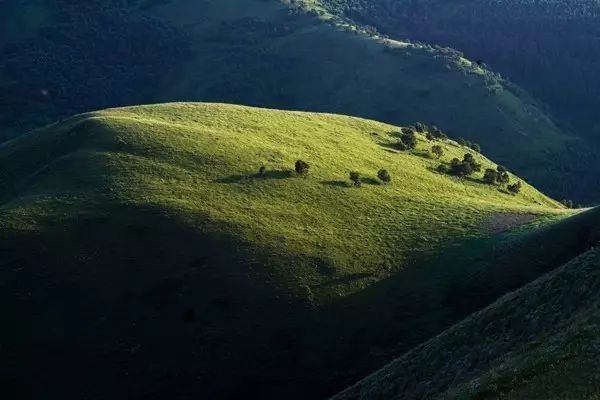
[(142, 248), (539, 342), (70, 57)]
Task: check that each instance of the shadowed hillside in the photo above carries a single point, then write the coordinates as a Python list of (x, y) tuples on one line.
[(539, 342), (144, 249)]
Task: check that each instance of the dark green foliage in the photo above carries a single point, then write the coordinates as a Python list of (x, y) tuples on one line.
[(490, 176), (503, 178), (515, 187), (501, 169), (469, 159), (475, 147), (437, 150), (429, 136), (437, 133), (301, 167), (262, 171), (384, 175), (420, 127), (355, 178), (408, 139)]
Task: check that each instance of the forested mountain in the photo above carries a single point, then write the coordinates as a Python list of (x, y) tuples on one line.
[(551, 47), (63, 57)]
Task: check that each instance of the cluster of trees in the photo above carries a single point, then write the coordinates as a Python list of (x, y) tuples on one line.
[(302, 168)]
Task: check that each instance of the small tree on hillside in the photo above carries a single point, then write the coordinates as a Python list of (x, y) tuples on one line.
[(420, 127), (490, 176), (503, 178), (515, 187), (437, 150), (409, 139), (384, 176), (355, 178), (262, 171), (476, 147), (302, 167)]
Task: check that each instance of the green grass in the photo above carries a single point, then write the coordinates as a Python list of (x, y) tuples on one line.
[(121, 221), (200, 159), (256, 53)]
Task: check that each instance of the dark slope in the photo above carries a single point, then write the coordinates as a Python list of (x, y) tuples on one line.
[(139, 259), (86, 56), (539, 342), (551, 48)]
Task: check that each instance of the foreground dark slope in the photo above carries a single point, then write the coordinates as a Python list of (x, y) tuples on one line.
[(76, 57), (540, 342), (140, 256)]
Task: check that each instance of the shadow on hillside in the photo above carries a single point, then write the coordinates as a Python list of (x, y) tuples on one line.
[(278, 174), (422, 154), (390, 147), (342, 184), (370, 181), (346, 279)]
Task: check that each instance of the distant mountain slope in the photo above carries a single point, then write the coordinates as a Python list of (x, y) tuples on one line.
[(140, 247), (97, 54), (540, 342), (551, 48)]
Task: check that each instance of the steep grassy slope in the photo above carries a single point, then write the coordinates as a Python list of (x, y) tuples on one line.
[(139, 248), (108, 53), (540, 342)]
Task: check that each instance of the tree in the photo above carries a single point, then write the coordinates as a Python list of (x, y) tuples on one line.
[(501, 169), (429, 136), (409, 139), (302, 167), (490, 176), (437, 151), (384, 176), (515, 187), (469, 159), (262, 171), (462, 141), (420, 127), (503, 178), (476, 147), (355, 178)]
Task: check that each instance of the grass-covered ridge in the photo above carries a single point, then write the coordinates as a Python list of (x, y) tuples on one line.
[(540, 341), (149, 227), (100, 54), (203, 159)]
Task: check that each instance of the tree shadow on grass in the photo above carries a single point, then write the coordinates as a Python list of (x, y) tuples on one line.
[(370, 181), (341, 184), (278, 174), (347, 279), (422, 154)]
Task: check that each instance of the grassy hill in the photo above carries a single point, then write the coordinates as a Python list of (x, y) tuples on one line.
[(540, 342), (72, 57), (138, 246)]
